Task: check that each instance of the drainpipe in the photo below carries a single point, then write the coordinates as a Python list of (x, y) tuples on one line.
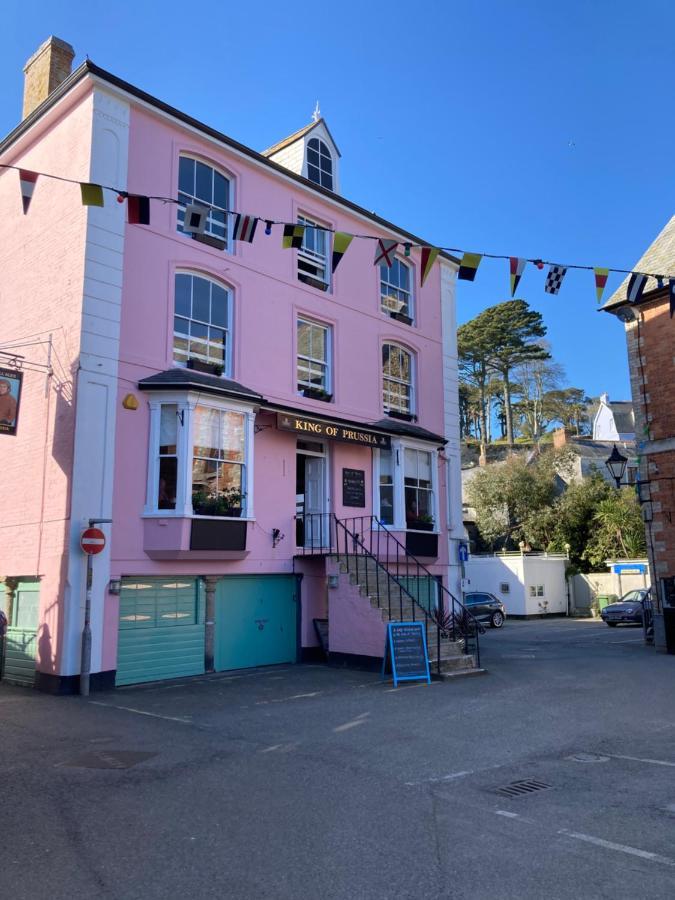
[(209, 626)]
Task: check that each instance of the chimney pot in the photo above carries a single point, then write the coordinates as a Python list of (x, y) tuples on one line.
[(47, 68)]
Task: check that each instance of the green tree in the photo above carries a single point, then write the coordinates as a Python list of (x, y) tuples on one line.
[(537, 379), (569, 406), (618, 530), (473, 346)]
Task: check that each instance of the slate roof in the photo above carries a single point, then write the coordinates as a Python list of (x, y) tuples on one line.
[(658, 258), (189, 379), (624, 417), (407, 429)]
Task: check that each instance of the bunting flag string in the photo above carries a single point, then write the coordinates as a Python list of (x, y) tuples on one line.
[(195, 218)]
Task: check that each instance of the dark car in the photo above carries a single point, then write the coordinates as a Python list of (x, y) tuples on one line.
[(486, 608), (629, 609)]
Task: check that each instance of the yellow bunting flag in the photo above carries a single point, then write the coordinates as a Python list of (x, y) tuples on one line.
[(341, 240), (601, 276), (293, 235), (92, 194), (469, 266), (429, 255)]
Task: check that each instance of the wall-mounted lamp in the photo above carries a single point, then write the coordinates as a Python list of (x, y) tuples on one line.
[(333, 581), (115, 586), (277, 537)]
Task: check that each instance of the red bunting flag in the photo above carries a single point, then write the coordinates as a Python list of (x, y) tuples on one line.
[(138, 209), (429, 255), (517, 265), (601, 276), (28, 180)]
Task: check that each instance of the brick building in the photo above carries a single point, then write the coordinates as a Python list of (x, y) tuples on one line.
[(650, 336)]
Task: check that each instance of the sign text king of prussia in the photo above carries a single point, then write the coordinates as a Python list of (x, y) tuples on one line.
[(346, 433)]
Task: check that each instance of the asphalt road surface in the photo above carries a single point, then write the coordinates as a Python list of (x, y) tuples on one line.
[(310, 782)]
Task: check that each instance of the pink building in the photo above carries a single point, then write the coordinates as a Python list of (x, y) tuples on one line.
[(276, 444)]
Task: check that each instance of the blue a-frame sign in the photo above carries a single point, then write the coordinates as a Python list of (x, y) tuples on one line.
[(406, 644)]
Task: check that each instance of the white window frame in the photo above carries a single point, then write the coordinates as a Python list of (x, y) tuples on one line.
[(186, 402), (210, 221), (384, 295), (323, 150), (326, 363), (398, 448), (321, 261), (227, 328), (411, 384)]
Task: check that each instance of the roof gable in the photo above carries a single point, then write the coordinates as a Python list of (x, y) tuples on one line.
[(658, 258), (323, 132)]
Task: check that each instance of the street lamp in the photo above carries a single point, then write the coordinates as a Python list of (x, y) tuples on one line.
[(616, 465)]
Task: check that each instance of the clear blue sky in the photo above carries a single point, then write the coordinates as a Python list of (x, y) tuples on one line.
[(525, 128)]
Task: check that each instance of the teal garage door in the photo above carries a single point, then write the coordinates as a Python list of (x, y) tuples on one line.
[(161, 629), (21, 638), (256, 621)]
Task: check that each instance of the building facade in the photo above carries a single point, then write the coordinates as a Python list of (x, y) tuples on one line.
[(230, 406), (650, 332)]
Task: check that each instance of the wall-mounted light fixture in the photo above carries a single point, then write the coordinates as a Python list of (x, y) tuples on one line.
[(333, 581), (277, 537), (115, 586)]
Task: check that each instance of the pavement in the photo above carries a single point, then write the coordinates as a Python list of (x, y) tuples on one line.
[(308, 781)]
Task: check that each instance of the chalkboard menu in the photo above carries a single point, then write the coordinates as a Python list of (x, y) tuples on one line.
[(353, 487), (407, 646)]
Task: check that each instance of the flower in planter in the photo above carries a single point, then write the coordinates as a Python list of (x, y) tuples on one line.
[(225, 503)]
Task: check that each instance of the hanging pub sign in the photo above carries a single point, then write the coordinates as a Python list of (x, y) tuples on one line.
[(349, 434), (10, 398), (353, 487)]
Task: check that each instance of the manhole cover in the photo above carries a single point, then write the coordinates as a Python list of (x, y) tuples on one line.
[(108, 759), (519, 788), (588, 758)]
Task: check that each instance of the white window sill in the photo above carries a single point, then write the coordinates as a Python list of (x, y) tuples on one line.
[(173, 514)]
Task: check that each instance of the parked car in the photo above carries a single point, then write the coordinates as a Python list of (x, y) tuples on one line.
[(486, 608), (629, 609)]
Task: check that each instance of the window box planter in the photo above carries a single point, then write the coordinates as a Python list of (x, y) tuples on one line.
[(401, 317), (404, 417), (226, 505), (420, 544), (218, 534), (420, 524), (317, 394), (210, 240), (209, 368), (312, 282)]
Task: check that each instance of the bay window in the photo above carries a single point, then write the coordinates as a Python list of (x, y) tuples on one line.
[(406, 486), (201, 457)]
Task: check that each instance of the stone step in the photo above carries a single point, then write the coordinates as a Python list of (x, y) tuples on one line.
[(457, 664)]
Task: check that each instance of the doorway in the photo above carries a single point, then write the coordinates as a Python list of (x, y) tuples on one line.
[(311, 494)]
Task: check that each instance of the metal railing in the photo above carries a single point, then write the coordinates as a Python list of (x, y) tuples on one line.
[(381, 562)]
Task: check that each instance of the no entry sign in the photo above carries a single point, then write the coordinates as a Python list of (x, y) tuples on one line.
[(92, 541)]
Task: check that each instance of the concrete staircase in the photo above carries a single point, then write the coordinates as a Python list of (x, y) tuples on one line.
[(379, 587)]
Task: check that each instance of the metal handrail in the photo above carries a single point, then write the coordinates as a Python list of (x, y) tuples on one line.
[(456, 620)]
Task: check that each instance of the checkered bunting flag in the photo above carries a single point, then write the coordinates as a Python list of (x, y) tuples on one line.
[(554, 279)]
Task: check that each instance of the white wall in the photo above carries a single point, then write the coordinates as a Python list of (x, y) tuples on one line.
[(520, 573)]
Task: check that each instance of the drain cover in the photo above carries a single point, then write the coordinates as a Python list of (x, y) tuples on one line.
[(526, 786), (588, 758), (108, 759)]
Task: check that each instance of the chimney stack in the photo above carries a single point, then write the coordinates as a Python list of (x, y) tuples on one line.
[(559, 438), (47, 68)]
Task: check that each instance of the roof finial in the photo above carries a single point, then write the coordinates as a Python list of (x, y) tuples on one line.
[(316, 115)]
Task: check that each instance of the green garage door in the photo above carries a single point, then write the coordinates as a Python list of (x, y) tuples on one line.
[(161, 633), (21, 638), (256, 621)]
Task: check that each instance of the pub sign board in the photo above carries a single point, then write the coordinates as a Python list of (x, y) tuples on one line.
[(353, 487), (406, 644), (349, 434), (10, 399)]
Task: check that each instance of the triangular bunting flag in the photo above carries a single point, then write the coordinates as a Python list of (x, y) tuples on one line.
[(244, 228), (28, 180), (601, 276), (516, 265), (636, 286), (385, 252), (554, 279), (341, 240), (671, 294), (92, 194), (429, 255), (138, 209), (293, 235), (469, 266)]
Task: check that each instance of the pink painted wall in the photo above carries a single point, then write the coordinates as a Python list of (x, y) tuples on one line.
[(354, 626), (42, 262), (267, 298)]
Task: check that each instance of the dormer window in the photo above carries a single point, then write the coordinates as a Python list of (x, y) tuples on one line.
[(319, 163)]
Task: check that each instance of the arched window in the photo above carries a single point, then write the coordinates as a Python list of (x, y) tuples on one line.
[(199, 183), (397, 380), (319, 163), (201, 329)]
